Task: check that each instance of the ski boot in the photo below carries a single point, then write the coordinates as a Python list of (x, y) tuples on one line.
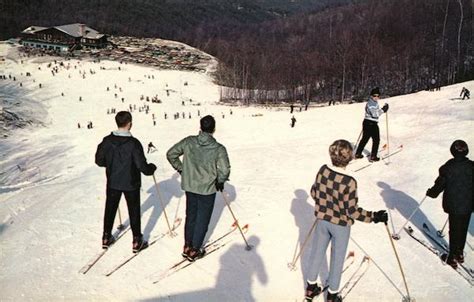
[(312, 291), (139, 244), (186, 250), (334, 297), (374, 159), (195, 254), (449, 260), (107, 240)]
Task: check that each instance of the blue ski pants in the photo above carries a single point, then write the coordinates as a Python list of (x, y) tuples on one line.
[(198, 215), (325, 233)]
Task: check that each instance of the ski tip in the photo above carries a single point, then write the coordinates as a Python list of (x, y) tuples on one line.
[(245, 227)]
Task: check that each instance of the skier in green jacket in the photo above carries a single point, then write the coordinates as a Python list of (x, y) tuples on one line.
[(204, 169)]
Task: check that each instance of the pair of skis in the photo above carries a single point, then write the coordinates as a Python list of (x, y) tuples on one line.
[(210, 247), (97, 257), (117, 236), (397, 150), (462, 270), (155, 239), (445, 248)]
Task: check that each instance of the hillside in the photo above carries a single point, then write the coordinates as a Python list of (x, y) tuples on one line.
[(144, 18), (52, 194), (326, 49)]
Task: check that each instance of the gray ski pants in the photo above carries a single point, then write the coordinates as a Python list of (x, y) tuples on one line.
[(338, 236)]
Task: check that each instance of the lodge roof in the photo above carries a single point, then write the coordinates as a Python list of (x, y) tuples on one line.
[(33, 29), (74, 30)]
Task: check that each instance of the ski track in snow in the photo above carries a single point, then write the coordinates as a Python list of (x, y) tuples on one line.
[(52, 194)]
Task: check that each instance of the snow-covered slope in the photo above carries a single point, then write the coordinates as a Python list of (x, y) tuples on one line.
[(52, 194)]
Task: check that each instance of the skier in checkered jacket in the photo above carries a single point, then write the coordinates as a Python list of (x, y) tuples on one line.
[(335, 196)]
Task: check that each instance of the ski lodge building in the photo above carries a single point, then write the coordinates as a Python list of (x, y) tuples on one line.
[(63, 38)]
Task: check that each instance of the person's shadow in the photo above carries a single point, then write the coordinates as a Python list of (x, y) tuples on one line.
[(303, 213), (405, 205), (168, 189), (240, 273), (234, 280)]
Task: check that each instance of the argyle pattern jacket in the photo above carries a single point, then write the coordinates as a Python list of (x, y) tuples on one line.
[(335, 195)]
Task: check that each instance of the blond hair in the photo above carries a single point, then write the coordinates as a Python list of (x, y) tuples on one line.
[(341, 153)]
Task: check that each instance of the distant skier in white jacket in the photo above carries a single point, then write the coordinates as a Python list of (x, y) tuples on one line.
[(370, 127)]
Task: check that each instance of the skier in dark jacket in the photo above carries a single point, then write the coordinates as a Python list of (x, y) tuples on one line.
[(455, 179), (370, 125), (293, 121), (122, 156), (151, 148), (465, 93)]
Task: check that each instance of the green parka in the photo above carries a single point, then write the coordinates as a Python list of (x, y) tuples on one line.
[(205, 162)]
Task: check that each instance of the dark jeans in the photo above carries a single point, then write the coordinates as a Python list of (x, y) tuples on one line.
[(133, 204), (458, 226), (370, 129), (198, 215)]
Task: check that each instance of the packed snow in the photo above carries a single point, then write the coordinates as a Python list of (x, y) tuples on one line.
[(52, 194)]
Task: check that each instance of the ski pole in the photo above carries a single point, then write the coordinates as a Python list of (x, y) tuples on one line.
[(292, 265), (120, 226), (358, 138), (388, 143), (247, 246), (396, 236), (407, 298), (391, 220), (172, 234), (440, 233), (378, 266)]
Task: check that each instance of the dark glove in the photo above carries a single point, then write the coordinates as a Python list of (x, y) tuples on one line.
[(152, 167), (380, 216), (179, 171), (385, 107), (219, 186), (430, 193)]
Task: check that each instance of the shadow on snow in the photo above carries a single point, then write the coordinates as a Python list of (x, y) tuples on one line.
[(238, 269)]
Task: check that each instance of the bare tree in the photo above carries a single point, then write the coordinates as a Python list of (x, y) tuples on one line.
[(458, 65)]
